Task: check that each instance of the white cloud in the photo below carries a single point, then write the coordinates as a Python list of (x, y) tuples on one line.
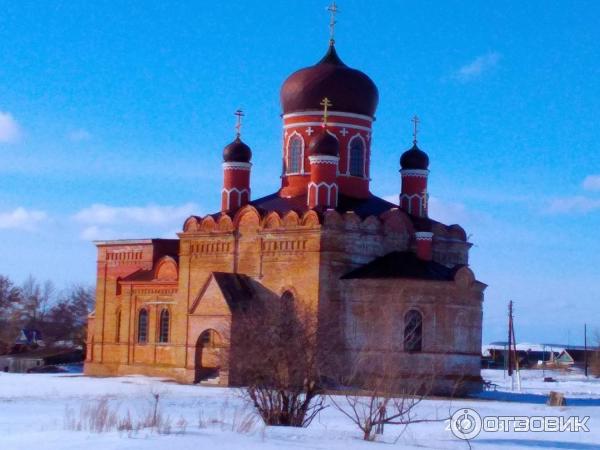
[(592, 183), (477, 67), (575, 204), (22, 218), (100, 214), (79, 135), (10, 131)]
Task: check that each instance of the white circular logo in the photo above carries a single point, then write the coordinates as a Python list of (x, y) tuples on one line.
[(465, 424)]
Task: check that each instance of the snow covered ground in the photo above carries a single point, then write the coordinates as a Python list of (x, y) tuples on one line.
[(35, 411)]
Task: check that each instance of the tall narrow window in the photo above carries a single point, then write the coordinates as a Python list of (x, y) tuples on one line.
[(413, 331), (294, 157), (142, 326), (357, 157), (163, 332), (118, 326)]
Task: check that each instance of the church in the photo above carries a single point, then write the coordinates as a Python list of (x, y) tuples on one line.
[(323, 241)]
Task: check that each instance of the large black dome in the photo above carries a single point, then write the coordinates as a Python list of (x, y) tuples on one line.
[(324, 144), (349, 90), (415, 158), (237, 151)]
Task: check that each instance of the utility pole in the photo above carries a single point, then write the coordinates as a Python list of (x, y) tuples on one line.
[(585, 354)]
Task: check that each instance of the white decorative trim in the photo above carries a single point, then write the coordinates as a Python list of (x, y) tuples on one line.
[(233, 165), (329, 124), (423, 235), (414, 172), (323, 159), (239, 192), (287, 152), (422, 197), (357, 136), (328, 186), (330, 113)]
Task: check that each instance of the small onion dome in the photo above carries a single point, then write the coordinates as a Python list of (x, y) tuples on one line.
[(237, 151), (324, 143), (349, 90), (414, 158)]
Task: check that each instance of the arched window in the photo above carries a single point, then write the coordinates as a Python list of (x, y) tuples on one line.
[(163, 326), (142, 326), (413, 331), (294, 156), (357, 157), (118, 326), (210, 339)]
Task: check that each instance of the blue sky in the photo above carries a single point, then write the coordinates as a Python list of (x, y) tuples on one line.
[(113, 116)]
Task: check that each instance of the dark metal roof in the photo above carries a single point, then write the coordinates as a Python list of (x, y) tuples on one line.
[(236, 288), (349, 90), (237, 151), (363, 207), (324, 144), (415, 158), (403, 265)]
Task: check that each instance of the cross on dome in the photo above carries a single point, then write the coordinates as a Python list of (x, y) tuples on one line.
[(415, 120), (325, 103), (333, 10), (238, 126)]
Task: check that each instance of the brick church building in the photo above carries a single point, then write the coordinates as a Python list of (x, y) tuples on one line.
[(323, 241)]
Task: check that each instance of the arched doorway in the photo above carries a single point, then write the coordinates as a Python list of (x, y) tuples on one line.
[(208, 355)]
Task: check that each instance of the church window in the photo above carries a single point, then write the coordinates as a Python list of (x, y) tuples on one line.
[(118, 326), (413, 331), (294, 159), (210, 339), (163, 332), (357, 157), (142, 326)]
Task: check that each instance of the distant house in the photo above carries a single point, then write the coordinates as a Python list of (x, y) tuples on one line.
[(30, 361), (529, 355), (575, 356), (29, 336)]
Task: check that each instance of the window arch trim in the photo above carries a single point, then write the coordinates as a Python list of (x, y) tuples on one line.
[(413, 331), (164, 326), (363, 159), (142, 326), (294, 136)]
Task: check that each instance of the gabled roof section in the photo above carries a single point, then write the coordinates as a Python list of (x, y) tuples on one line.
[(236, 288), (403, 265)]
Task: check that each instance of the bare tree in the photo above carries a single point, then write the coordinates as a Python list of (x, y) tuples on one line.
[(380, 391), (278, 362), (10, 297)]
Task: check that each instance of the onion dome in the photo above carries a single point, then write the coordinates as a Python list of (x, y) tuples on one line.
[(324, 143), (237, 151), (414, 158), (349, 90)]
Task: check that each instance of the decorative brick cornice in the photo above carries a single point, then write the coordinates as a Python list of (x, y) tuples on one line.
[(423, 235), (414, 173), (323, 159), (236, 166)]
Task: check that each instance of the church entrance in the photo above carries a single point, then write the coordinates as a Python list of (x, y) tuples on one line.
[(208, 357)]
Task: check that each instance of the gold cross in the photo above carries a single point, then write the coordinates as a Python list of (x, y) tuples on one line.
[(333, 10), (238, 126), (325, 103), (415, 120)]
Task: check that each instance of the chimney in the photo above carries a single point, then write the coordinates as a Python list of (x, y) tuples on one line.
[(424, 245)]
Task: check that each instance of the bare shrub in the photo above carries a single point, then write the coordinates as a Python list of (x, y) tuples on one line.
[(382, 393), (279, 360)]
